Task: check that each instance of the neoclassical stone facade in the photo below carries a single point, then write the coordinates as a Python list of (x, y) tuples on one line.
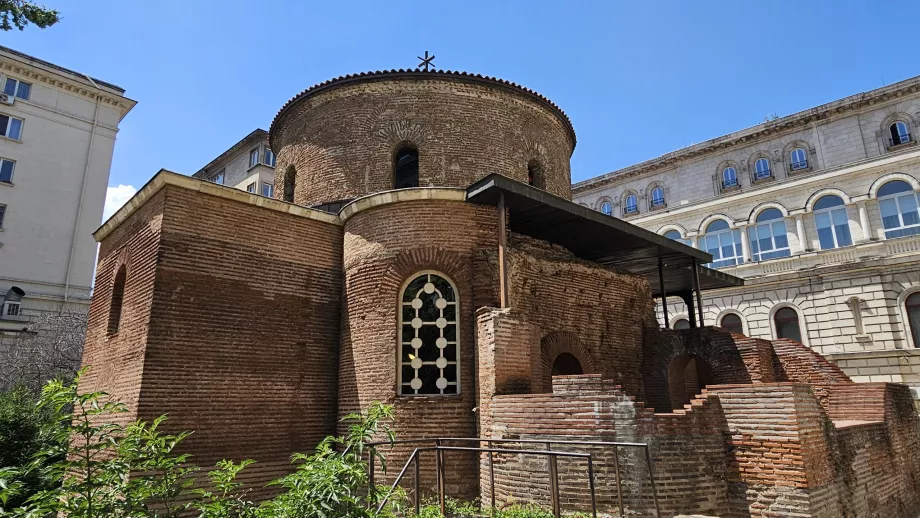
[(817, 211)]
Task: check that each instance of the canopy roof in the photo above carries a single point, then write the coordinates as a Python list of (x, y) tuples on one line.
[(597, 237)]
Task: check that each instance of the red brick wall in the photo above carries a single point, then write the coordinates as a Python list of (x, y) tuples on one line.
[(342, 141), (384, 247), (242, 335), (116, 361)]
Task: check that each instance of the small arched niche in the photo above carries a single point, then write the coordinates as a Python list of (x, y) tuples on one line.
[(535, 174), (566, 364), (405, 167)]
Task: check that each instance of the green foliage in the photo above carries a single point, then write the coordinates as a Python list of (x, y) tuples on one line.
[(228, 499), (22, 433), (20, 13)]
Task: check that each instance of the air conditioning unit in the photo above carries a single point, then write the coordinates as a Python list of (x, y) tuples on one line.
[(6, 98)]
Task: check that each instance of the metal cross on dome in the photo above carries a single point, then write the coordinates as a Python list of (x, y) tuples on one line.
[(426, 61)]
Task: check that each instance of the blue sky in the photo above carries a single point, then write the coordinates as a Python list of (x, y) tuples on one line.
[(637, 78)]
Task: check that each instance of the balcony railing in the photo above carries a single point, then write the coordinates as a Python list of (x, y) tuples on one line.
[(800, 165), (728, 184), (901, 139)]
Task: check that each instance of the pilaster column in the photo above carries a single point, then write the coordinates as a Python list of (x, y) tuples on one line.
[(694, 241), (800, 232), (745, 244), (864, 220)]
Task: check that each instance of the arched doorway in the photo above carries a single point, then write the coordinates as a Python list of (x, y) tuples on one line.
[(688, 375), (566, 365)]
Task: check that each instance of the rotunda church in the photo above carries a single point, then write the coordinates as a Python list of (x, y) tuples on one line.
[(421, 249)]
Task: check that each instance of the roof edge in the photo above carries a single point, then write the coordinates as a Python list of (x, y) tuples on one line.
[(261, 133), (382, 75)]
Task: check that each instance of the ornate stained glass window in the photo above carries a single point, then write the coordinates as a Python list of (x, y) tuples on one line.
[(428, 337)]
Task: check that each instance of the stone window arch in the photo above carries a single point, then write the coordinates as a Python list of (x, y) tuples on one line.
[(899, 205), (117, 299), (728, 175), (897, 129), (405, 166), (656, 196), (674, 232), (761, 166), (720, 238), (732, 321), (909, 306), (535, 174), (563, 354), (797, 156), (831, 219), (605, 206), (630, 203), (290, 180), (786, 322), (680, 322), (429, 336)]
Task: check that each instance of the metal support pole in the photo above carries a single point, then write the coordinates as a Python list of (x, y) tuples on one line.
[(491, 473), (502, 243), (418, 497), (553, 482), (616, 470), (591, 484), (370, 472), (441, 476), (696, 286), (664, 294), (651, 477)]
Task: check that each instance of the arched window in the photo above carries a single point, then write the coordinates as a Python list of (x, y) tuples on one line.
[(787, 324), (899, 133), (768, 236), (405, 168), (832, 222), (681, 323), (290, 178), (675, 235), (798, 159), (632, 204), (723, 243), (535, 175), (118, 297), (912, 305), (428, 337), (898, 204), (658, 197), (732, 322), (606, 208), (762, 169), (729, 177)]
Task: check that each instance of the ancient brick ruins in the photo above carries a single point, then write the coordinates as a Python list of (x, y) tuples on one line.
[(257, 322)]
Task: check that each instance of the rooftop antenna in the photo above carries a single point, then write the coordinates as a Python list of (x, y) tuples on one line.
[(426, 61)]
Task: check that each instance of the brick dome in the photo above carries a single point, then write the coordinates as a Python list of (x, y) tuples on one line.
[(339, 140)]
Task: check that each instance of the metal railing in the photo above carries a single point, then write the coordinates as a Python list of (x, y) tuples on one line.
[(552, 455), (902, 139)]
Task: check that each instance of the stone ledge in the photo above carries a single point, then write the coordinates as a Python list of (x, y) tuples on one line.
[(401, 195)]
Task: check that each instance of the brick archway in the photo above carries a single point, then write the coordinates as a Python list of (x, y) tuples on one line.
[(557, 343)]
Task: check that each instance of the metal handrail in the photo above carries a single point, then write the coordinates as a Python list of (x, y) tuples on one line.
[(902, 139), (554, 489)]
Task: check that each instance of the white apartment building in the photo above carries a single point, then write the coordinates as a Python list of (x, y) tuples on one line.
[(248, 165), (817, 211), (57, 136)]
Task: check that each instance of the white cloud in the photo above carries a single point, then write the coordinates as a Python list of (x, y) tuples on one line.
[(115, 197)]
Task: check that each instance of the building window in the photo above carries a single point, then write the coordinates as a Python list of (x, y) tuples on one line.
[(898, 204), (219, 178), (912, 305), (290, 178), (681, 323), (675, 236), (10, 127), (658, 197), (768, 236), (6, 170), (832, 222), (428, 337), (12, 309), (268, 190), (606, 208), (405, 169), (251, 187), (17, 88), (254, 157), (787, 324), (899, 134), (118, 295), (798, 159), (269, 157), (632, 204), (731, 322), (2, 214), (723, 243), (535, 175), (729, 178), (762, 169)]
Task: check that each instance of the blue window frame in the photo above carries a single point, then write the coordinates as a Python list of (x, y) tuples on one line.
[(898, 204), (729, 177), (832, 222), (762, 169)]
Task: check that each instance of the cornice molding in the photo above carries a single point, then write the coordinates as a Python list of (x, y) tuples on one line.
[(783, 125), (37, 75)]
